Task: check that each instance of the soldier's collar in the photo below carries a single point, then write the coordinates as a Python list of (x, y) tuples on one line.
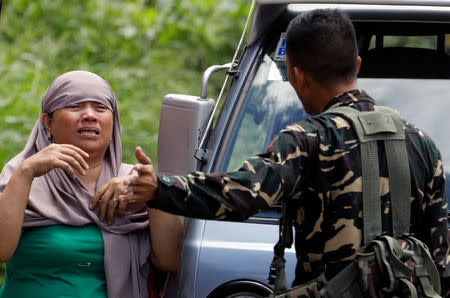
[(349, 98)]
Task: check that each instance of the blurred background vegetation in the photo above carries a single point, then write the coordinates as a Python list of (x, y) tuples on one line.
[(143, 48)]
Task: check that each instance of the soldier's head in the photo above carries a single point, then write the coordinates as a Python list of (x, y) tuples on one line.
[(322, 44)]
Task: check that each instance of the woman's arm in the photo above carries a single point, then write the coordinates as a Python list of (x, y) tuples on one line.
[(166, 234), (14, 198), (13, 201)]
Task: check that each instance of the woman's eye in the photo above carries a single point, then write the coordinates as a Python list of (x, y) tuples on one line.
[(73, 106), (101, 108)]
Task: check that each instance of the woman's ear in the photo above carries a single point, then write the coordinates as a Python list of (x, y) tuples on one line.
[(46, 121)]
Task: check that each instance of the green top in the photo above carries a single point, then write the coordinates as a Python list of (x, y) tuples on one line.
[(57, 261)]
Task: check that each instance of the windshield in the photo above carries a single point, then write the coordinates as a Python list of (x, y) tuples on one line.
[(271, 104)]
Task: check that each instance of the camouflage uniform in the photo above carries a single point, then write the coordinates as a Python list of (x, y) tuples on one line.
[(316, 163)]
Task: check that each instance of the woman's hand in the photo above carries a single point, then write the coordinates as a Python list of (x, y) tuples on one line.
[(64, 156), (108, 198)]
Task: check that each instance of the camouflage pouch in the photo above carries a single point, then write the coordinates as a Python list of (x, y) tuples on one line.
[(397, 267), (385, 267), (310, 289)]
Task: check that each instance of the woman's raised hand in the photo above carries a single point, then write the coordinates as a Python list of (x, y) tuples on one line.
[(64, 156)]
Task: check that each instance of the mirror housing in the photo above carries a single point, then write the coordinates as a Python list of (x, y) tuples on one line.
[(182, 123)]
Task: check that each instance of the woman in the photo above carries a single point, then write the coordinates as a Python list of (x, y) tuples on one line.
[(53, 243)]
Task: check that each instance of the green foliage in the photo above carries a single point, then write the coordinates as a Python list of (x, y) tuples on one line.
[(145, 49)]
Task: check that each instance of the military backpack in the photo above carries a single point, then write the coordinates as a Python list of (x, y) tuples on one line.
[(386, 266)]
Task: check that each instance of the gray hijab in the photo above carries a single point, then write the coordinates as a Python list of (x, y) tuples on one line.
[(55, 198)]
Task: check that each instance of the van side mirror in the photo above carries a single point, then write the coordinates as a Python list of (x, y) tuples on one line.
[(182, 122)]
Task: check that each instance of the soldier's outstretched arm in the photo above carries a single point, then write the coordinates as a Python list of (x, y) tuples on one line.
[(262, 181)]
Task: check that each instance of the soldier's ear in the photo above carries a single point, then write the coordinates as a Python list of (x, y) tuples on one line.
[(299, 75), (358, 65)]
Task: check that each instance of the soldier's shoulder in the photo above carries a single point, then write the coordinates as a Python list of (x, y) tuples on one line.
[(420, 140), (417, 133), (315, 123)]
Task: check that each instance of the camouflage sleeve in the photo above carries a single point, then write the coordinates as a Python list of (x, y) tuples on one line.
[(261, 182), (436, 210)]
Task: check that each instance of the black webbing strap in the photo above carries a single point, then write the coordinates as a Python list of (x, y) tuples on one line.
[(277, 273)]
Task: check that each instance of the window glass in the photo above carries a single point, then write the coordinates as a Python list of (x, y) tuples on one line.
[(271, 104)]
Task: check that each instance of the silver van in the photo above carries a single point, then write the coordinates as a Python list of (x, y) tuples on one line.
[(405, 47)]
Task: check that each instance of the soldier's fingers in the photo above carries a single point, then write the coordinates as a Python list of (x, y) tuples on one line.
[(142, 157), (122, 207), (143, 170), (127, 197)]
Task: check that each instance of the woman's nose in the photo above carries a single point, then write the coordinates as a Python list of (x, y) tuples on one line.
[(89, 114)]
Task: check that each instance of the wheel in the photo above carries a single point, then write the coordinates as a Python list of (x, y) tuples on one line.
[(245, 295), (241, 289)]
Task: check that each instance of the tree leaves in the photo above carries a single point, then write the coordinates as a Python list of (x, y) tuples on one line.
[(145, 49)]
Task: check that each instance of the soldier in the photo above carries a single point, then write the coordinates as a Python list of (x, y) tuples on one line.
[(315, 162)]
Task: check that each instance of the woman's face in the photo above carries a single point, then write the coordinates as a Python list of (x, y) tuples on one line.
[(87, 125)]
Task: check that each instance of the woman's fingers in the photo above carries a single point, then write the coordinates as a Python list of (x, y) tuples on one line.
[(73, 163), (67, 157), (107, 202), (107, 198), (78, 155), (97, 196), (112, 205)]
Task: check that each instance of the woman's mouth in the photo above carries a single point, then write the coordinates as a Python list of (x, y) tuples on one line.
[(89, 131)]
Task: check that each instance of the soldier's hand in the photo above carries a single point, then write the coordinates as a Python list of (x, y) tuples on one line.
[(144, 186)]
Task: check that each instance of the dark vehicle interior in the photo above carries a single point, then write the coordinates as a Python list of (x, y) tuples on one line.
[(408, 61)]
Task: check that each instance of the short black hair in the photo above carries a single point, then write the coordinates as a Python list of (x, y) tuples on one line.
[(323, 43)]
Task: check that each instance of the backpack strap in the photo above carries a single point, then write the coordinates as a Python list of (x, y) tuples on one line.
[(425, 269), (383, 124), (277, 272)]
